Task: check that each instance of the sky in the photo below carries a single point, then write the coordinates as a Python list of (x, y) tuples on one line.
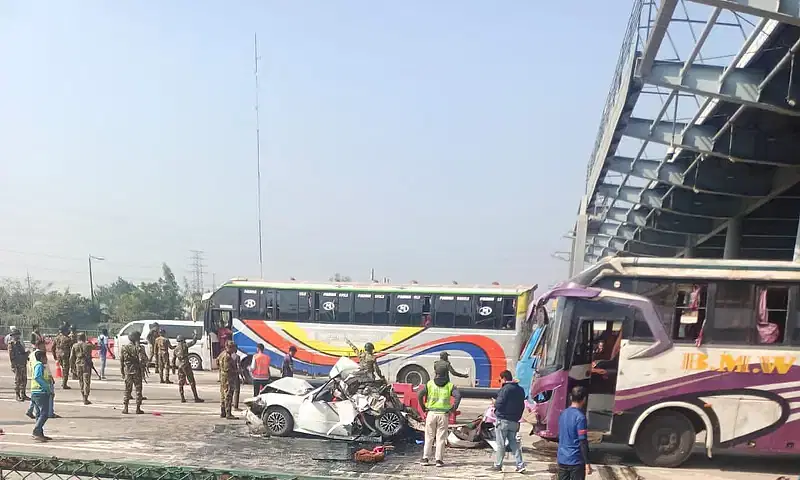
[(432, 141)]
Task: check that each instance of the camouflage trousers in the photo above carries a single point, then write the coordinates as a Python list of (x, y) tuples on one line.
[(185, 375), (133, 380), (85, 379), (226, 388), (20, 379), (162, 366), (63, 361)]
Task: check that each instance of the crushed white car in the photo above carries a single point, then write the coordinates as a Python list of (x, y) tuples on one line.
[(348, 406)]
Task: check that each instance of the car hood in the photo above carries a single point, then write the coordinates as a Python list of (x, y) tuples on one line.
[(343, 367), (291, 385)]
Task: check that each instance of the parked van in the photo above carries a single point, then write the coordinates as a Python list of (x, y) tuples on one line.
[(173, 328)]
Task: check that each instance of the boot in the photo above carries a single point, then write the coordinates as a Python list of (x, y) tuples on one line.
[(222, 412), (86, 400), (125, 408), (229, 415), (139, 408), (64, 385), (194, 393), (183, 398)]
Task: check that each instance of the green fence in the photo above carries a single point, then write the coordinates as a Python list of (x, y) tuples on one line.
[(29, 466)]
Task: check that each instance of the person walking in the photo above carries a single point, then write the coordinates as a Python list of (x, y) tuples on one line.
[(81, 356), (130, 362), (435, 398), (508, 410), (573, 444), (287, 368), (259, 370), (41, 346), (102, 347), (61, 349), (181, 365), (41, 389)]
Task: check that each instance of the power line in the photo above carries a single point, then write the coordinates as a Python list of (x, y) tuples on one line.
[(197, 270)]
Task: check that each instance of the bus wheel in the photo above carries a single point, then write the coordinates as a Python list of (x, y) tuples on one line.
[(413, 374), (665, 440)]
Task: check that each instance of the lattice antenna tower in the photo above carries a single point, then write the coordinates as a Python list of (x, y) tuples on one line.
[(197, 269)]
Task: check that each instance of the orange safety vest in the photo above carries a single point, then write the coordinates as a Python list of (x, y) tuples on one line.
[(260, 367)]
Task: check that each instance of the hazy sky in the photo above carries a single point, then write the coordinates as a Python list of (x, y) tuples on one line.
[(433, 141)]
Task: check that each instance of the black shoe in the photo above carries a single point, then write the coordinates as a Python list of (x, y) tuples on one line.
[(30, 415), (139, 411), (66, 387), (198, 400), (495, 468), (55, 415), (439, 463)]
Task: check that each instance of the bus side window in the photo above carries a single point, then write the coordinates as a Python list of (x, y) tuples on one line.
[(444, 311), (327, 304), (253, 304), (382, 312), (463, 312), (286, 306), (406, 310), (344, 305), (509, 313), (488, 314), (733, 314), (363, 307), (305, 306), (690, 312)]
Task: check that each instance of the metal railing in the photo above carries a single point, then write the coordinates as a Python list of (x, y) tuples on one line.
[(28, 466)]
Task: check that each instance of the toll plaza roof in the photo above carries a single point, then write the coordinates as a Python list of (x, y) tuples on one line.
[(698, 150)]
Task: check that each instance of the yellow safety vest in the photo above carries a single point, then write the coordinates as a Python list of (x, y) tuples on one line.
[(438, 398), (35, 385)]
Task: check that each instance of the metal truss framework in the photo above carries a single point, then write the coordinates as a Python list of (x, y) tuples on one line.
[(735, 155)]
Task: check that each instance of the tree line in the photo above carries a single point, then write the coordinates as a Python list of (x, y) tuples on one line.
[(32, 302)]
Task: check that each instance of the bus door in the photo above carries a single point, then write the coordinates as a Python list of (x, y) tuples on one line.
[(595, 358), (529, 359), (218, 319)]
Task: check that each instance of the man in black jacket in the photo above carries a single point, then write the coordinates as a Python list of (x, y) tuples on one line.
[(508, 410)]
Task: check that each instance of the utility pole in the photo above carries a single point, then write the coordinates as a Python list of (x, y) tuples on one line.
[(258, 161), (30, 288), (91, 278), (197, 270)]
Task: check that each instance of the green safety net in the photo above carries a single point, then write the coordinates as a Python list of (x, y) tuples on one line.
[(28, 466)]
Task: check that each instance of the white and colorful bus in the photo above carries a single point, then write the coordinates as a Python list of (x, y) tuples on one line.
[(482, 328), (692, 351)]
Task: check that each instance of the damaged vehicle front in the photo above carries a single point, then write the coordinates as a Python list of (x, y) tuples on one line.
[(349, 405)]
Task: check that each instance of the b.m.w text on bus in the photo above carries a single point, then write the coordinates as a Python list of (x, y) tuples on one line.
[(770, 364)]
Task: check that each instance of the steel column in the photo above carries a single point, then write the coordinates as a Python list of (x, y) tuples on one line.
[(733, 238)]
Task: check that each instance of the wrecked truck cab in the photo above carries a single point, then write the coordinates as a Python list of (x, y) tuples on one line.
[(291, 405)]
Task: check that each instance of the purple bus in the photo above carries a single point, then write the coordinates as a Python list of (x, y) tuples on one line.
[(675, 353)]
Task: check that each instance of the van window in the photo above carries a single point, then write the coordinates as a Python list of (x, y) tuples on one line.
[(134, 327), (187, 331)]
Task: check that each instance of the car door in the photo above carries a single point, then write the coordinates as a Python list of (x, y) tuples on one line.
[(318, 416)]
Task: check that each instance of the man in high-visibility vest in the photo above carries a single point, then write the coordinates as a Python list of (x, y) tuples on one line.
[(438, 398), (41, 389), (259, 369)]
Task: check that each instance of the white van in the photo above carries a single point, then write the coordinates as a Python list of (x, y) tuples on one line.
[(173, 328)]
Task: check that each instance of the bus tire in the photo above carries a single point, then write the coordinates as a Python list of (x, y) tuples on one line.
[(413, 374), (665, 439)]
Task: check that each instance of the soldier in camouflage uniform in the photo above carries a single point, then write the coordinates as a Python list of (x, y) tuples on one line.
[(162, 348), (131, 367), (151, 340), (81, 356), (227, 380), (73, 337), (180, 363), (19, 364), (62, 347)]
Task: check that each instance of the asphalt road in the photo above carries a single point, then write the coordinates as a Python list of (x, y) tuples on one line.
[(194, 435)]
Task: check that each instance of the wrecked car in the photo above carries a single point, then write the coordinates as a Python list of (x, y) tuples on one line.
[(348, 406)]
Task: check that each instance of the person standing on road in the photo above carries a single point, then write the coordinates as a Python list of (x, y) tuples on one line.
[(73, 338), (236, 364), (41, 347), (259, 370), (573, 444), (61, 349), (81, 356), (443, 369), (41, 389), (226, 381), (508, 410), (435, 398), (19, 360), (130, 363), (287, 368), (36, 337), (180, 363), (151, 340), (163, 346), (102, 345)]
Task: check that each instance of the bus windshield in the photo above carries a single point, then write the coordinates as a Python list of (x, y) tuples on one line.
[(555, 339)]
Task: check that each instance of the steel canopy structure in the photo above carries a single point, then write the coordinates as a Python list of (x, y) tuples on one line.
[(698, 150)]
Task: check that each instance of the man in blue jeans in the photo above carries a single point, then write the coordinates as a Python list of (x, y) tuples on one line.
[(573, 444), (508, 410), (41, 390), (40, 347)]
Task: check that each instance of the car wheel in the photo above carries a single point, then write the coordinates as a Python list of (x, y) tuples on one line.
[(413, 374), (195, 363), (665, 440), (390, 423), (278, 420)]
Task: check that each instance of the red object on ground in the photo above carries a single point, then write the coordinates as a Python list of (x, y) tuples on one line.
[(59, 373), (409, 397)]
